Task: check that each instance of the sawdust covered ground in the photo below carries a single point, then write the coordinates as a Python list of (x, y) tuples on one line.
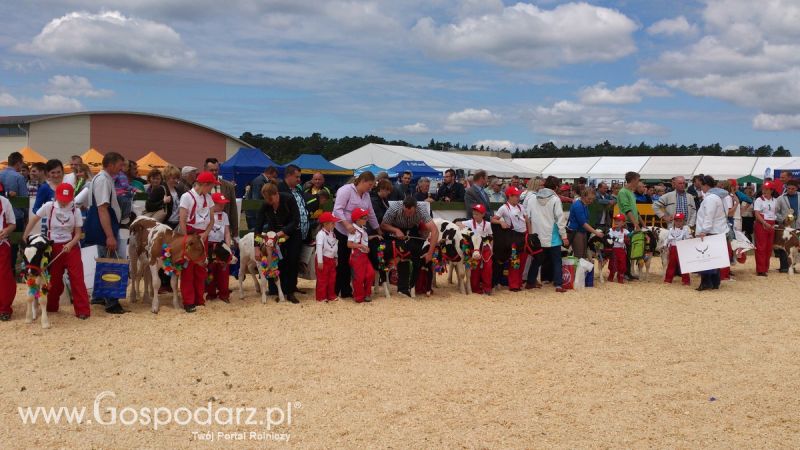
[(636, 365)]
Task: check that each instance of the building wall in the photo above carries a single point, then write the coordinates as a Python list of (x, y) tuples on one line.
[(60, 138), (231, 147), (10, 144), (133, 136)]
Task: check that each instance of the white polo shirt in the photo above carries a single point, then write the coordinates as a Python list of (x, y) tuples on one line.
[(61, 222), (514, 216), (767, 208), (217, 233), (7, 218), (327, 245), (482, 229), (198, 208), (359, 237)]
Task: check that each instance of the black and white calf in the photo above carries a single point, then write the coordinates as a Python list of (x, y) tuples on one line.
[(37, 256), (456, 248)]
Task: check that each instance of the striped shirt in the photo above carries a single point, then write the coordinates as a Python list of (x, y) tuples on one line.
[(395, 216)]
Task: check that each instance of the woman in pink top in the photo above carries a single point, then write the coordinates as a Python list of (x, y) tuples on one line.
[(348, 198)]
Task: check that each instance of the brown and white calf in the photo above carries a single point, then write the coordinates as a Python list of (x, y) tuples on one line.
[(140, 257), (788, 240), (250, 263), (182, 248)]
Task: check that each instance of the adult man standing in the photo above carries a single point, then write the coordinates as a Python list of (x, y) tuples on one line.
[(450, 190), (476, 195), (788, 203), (403, 220), (606, 200), (270, 175), (14, 185), (495, 192), (696, 190), (102, 220), (403, 187), (627, 206), (711, 219), (227, 189), (311, 194), (188, 177), (676, 201), (74, 163), (291, 185)]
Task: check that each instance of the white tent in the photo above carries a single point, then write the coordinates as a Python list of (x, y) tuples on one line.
[(725, 166), (792, 164), (772, 163), (615, 167), (535, 165), (665, 167), (571, 167)]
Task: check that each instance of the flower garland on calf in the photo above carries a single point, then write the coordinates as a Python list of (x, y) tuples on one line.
[(515, 262), (438, 267), (171, 267)]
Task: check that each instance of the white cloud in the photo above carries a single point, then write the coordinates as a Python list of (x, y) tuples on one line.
[(574, 122), (500, 144), (8, 101), (750, 57), (524, 35), (459, 121), (416, 128), (678, 26), (112, 40), (600, 94), (49, 103), (776, 122), (75, 86)]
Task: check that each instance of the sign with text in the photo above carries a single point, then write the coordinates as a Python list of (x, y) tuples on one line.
[(697, 255)]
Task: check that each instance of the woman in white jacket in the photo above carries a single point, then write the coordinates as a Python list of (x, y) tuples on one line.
[(545, 218)]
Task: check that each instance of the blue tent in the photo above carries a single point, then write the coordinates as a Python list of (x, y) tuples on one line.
[(317, 163), (244, 166), (418, 169), (375, 170)]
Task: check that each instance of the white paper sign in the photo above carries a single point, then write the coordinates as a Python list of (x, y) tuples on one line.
[(696, 255), (88, 256)]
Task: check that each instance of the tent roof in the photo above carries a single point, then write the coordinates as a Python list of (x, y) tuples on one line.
[(93, 159), (317, 163), (417, 168), (248, 159), (571, 167), (536, 165), (617, 166), (375, 170), (725, 166), (32, 156), (664, 167), (149, 162), (773, 162), (794, 163)]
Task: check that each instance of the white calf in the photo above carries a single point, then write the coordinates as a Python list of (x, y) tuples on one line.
[(249, 265)]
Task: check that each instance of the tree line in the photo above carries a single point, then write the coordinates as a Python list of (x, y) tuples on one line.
[(283, 149)]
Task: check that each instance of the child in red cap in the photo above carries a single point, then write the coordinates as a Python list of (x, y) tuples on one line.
[(511, 217), (64, 222), (196, 218), (481, 274), (8, 287), (363, 273), (327, 251), (220, 233), (619, 257), (678, 232)]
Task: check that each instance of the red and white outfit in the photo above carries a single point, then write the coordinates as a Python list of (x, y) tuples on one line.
[(363, 273), (8, 286), (220, 271), (327, 251), (676, 235), (619, 258), (764, 236), (193, 277), (515, 216), (481, 276)]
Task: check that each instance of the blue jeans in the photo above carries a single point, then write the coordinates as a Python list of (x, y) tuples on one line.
[(710, 278), (554, 254)]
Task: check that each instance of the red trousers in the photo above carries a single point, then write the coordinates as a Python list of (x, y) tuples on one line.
[(764, 238), (71, 263), (8, 286), (515, 275), (425, 276), (363, 275), (480, 278), (193, 284), (725, 272), (618, 264), (673, 265), (326, 279), (220, 280)]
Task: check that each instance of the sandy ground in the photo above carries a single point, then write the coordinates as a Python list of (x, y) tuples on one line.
[(635, 365)]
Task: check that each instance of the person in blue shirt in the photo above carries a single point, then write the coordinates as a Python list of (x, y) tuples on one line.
[(47, 191), (578, 225), (15, 185)]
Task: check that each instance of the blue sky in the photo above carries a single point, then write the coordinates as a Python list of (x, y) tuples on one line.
[(471, 71)]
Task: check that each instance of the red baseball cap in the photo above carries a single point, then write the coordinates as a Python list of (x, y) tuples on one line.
[(480, 208), (511, 191), (680, 216), (218, 197), (328, 217), (65, 192), (207, 177), (769, 185), (359, 213), (619, 217)]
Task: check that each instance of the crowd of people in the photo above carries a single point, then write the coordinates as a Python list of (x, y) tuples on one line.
[(524, 239)]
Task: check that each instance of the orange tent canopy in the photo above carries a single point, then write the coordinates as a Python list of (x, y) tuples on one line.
[(32, 156), (149, 162), (93, 159)]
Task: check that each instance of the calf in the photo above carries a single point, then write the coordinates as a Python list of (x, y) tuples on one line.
[(171, 252), (599, 249), (139, 257), (380, 262), (37, 254), (263, 268), (456, 248), (651, 236), (788, 240)]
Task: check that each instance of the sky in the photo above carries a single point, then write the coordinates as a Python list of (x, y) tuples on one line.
[(485, 72)]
